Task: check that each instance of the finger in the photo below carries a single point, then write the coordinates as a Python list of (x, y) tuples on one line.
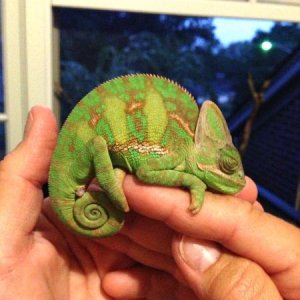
[(22, 173), (238, 225), (214, 274), (148, 233), (142, 282), (249, 192), (154, 235), (141, 255)]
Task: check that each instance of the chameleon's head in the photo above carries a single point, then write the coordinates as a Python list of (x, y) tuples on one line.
[(218, 161)]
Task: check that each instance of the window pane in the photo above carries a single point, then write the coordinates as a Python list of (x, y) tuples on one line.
[(196, 52), (230, 61)]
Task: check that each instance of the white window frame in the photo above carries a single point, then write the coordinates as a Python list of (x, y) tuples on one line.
[(30, 43)]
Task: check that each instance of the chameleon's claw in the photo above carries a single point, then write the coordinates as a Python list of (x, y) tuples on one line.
[(194, 209), (80, 191), (196, 203), (123, 206)]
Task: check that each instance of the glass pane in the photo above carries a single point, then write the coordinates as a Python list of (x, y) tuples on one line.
[(211, 57), (230, 61)]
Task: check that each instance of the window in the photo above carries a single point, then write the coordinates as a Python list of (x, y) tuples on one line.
[(38, 76), (27, 25), (201, 53)]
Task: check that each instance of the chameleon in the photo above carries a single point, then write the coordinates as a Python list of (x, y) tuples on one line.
[(146, 125)]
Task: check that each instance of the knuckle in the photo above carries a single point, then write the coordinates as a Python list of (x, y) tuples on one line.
[(245, 214), (239, 281)]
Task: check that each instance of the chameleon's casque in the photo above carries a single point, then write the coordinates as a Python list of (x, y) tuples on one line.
[(145, 125)]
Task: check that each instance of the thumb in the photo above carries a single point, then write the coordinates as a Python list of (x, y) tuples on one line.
[(213, 273), (22, 173)]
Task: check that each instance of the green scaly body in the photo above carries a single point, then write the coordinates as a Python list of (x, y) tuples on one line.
[(145, 125)]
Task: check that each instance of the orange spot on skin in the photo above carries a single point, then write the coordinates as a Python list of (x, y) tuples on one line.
[(95, 117), (133, 106), (72, 148), (182, 123)]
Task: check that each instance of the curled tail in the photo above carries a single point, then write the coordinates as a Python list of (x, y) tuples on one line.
[(92, 215)]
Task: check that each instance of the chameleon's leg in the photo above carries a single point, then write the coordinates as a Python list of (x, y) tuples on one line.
[(90, 213), (161, 171), (120, 174), (107, 177), (100, 213), (197, 197)]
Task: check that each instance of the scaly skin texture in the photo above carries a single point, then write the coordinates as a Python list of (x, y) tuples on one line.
[(145, 125)]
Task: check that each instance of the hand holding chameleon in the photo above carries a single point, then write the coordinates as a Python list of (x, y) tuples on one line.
[(40, 257), (146, 125)]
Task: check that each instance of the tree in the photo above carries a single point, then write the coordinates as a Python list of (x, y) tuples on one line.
[(185, 49), (109, 44)]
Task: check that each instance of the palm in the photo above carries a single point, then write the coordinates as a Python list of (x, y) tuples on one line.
[(54, 264)]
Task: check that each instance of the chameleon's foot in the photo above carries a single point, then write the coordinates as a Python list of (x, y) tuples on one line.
[(196, 202), (121, 205), (80, 191)]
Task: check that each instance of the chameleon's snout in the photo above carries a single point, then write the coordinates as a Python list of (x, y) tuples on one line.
[(241, 175), (242, 180)]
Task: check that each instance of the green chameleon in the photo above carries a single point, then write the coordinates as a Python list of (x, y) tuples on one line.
[(146, 125)]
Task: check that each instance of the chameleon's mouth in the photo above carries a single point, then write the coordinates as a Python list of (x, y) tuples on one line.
[(226, 184)]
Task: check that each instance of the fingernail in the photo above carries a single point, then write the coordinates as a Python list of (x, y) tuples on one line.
[(29, 123), (199, 255)]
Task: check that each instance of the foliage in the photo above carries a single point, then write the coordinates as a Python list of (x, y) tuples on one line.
[(107, 45)]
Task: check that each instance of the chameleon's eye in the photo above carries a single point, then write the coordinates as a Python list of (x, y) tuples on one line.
[(228, 164)]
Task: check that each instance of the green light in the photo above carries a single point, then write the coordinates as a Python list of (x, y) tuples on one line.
[(266, 46)]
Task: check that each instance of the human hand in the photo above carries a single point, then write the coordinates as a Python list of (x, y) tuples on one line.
[(232, 249), (39, 258)]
